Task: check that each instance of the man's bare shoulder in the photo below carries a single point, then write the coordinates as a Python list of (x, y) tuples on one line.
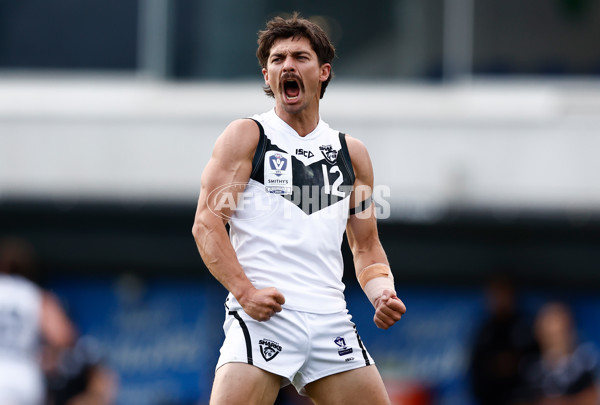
[(359, 155), (355, 146), (239, 138)]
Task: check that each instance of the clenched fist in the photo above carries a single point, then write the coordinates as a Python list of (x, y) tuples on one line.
[(262, 304), (388, 309)]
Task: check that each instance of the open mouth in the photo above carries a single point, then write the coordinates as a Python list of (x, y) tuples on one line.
[(291, 89)]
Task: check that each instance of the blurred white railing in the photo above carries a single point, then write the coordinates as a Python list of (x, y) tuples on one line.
[(517, 144)]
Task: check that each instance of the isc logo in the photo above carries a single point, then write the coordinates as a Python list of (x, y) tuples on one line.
[(305, 153)]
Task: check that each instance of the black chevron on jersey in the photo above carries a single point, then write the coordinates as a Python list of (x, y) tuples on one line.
[(312, 191)]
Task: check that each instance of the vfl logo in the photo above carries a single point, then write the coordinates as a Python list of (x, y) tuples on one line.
[(278, 164), (269, 349), (343, 349), (329, 153)]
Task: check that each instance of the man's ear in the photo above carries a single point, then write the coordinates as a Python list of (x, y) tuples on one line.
[(325, 71)]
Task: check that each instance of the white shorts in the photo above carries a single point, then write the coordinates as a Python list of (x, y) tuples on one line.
[(301, 347)]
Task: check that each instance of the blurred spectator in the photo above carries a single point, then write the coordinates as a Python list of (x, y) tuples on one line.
[(564, 373), (38, 342), (502, 341), (27, 314)]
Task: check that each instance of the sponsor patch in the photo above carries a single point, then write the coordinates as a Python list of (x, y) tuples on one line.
[(278, 173), (269, 349)]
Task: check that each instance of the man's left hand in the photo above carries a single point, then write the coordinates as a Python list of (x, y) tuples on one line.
[(388, 309)]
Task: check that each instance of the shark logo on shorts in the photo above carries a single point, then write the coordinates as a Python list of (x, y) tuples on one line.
[(343, 349), (269, 349)]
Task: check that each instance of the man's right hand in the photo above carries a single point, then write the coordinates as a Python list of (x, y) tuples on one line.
[(262, 304)]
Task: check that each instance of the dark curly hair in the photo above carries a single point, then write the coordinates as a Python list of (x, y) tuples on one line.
[(295, 27)]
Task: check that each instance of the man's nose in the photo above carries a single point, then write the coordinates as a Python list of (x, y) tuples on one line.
[(288, 65)]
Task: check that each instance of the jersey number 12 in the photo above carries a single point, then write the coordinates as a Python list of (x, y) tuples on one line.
[(335, 189)]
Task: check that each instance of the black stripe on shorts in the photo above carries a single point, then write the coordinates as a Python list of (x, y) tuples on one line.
[(246, 335), (364, 351)]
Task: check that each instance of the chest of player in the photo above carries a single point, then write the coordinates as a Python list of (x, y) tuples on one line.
[(319, 173)]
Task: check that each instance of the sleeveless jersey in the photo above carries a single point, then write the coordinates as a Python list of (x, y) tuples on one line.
[(21, 379), (20, 303), (289, 222)]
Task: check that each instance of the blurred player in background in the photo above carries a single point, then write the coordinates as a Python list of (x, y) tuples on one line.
[(501, 343), (42, 360), (289, 185), (27, 313), (565, 371)]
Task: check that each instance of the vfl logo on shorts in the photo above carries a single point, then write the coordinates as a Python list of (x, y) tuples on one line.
[(343, 349), (269, 349)]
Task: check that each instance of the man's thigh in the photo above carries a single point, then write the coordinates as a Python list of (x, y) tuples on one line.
[(243, 384), (355, 387)]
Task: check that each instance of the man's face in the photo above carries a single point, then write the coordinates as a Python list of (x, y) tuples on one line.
[(294, 74)]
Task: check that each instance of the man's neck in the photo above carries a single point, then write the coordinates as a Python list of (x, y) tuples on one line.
[(303, 122)]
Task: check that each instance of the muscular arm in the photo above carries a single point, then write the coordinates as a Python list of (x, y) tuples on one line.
[(363, 237), (230, 164)]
